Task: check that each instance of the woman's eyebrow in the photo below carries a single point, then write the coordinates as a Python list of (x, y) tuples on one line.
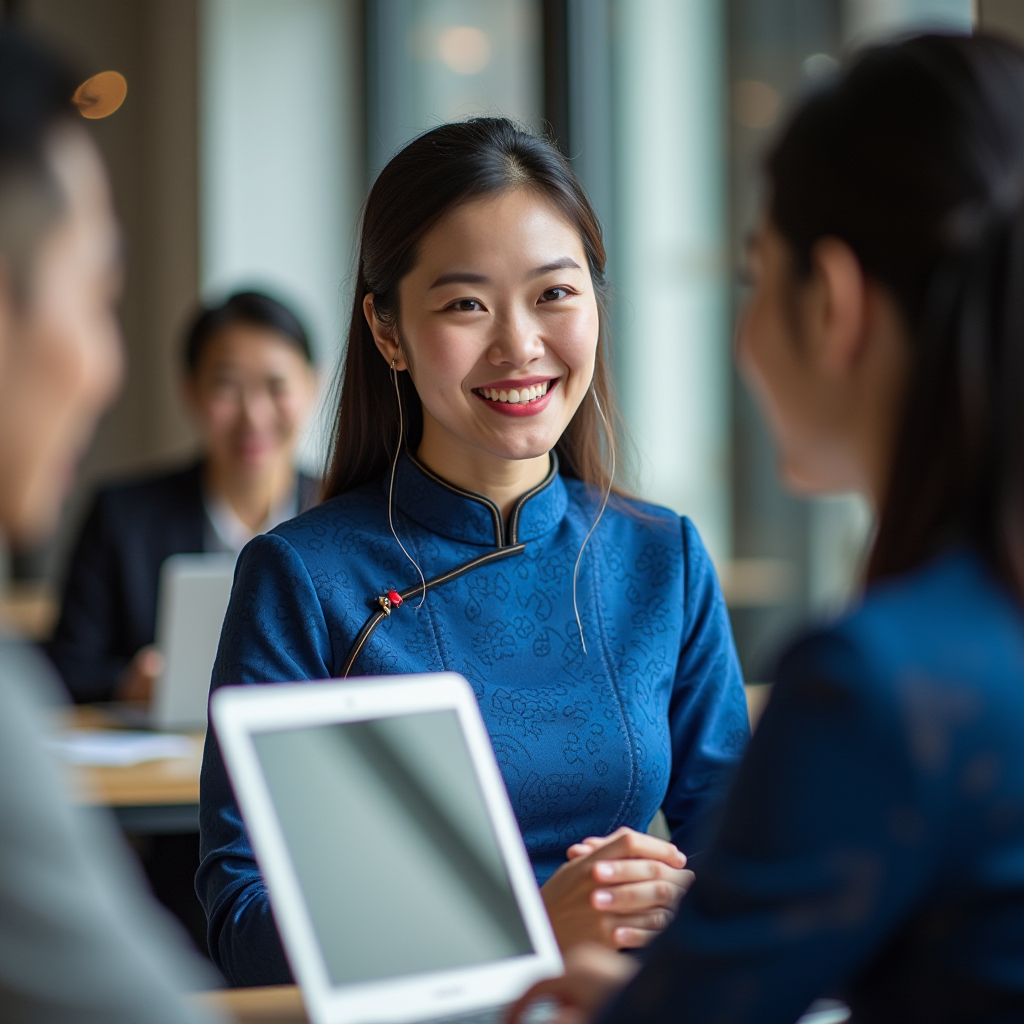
[(564, 263), (461, 277), (468, 277)]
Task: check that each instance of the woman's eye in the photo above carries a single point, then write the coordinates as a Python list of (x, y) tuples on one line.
[(554, 294), (466, 306)]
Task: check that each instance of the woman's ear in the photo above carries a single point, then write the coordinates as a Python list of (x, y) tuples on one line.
[(838, 306), (383, 337)]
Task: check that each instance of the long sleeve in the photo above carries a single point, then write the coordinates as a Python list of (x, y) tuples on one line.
[(820, 851), (79, 940), (86, 647), (708, 712), (274, 631)]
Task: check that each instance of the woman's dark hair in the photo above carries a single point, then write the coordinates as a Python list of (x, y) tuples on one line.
[(434, 173), (254, 309), (35, 101), (914, 157)]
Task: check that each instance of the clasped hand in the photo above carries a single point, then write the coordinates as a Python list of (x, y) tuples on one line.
[(619, 890)]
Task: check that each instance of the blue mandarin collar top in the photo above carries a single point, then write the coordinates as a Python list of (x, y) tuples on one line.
[(460, 515), (652, 715)]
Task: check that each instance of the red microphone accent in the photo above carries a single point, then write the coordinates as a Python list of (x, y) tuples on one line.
[(395, 598)]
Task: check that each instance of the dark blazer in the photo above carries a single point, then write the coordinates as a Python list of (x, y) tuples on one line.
[(109, 603), (873, 843)]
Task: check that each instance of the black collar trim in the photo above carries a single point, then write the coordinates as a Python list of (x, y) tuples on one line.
[(501, 539)]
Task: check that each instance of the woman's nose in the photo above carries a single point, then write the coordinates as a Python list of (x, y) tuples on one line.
[(256, 405), (516, 341)]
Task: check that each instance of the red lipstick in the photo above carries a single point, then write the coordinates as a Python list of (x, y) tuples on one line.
[(531, 407)]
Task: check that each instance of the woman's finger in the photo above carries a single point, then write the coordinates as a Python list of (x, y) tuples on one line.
[(626, 843), (628, 937), (592, 843), (650, 921), (618, 872), (636, 897), (578, 850), (639, 845)]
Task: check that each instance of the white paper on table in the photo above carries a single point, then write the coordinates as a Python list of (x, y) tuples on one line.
[(119, 749)]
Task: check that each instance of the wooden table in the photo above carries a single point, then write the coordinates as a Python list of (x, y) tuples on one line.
[(30, 609), (277, 1004), (155, 797), (162, 797)]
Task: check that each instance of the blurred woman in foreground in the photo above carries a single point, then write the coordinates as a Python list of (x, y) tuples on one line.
[(873, 844)]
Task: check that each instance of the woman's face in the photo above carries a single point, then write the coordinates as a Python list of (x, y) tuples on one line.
[(251, 394), (498, 325), (782, 358), (60, 346)]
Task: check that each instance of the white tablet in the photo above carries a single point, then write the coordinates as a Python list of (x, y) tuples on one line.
[(395, 868)]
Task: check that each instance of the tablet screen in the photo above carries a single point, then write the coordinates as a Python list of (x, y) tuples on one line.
[(393, 847)]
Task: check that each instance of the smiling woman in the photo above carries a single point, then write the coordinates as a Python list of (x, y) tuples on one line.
[(520, 190), (468, 528), (525, 317)]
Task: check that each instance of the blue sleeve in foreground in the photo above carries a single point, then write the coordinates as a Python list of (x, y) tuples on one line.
[(805, 875)]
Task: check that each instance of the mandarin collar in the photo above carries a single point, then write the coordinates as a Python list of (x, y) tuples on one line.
[(466, 516)]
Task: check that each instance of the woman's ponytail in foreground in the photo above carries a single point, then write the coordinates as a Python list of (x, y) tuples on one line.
[(915, 158)]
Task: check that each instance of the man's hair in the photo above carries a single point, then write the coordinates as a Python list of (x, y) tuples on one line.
[(35, 101)]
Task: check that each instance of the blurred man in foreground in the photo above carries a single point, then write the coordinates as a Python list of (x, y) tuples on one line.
[(79, 940)]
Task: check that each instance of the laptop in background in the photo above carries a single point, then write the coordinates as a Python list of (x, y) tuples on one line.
[(394, 864), (192, 599)]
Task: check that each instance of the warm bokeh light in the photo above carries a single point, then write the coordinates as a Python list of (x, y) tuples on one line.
[(466, 50), (100, 95), (755, 104)]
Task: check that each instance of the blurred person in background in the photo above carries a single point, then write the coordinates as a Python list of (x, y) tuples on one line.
[(249, 384), (471, 525), (873, 844), (79, 940)]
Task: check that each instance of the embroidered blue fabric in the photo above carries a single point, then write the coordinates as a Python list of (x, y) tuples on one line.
[(872, 846), (653, 715)]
